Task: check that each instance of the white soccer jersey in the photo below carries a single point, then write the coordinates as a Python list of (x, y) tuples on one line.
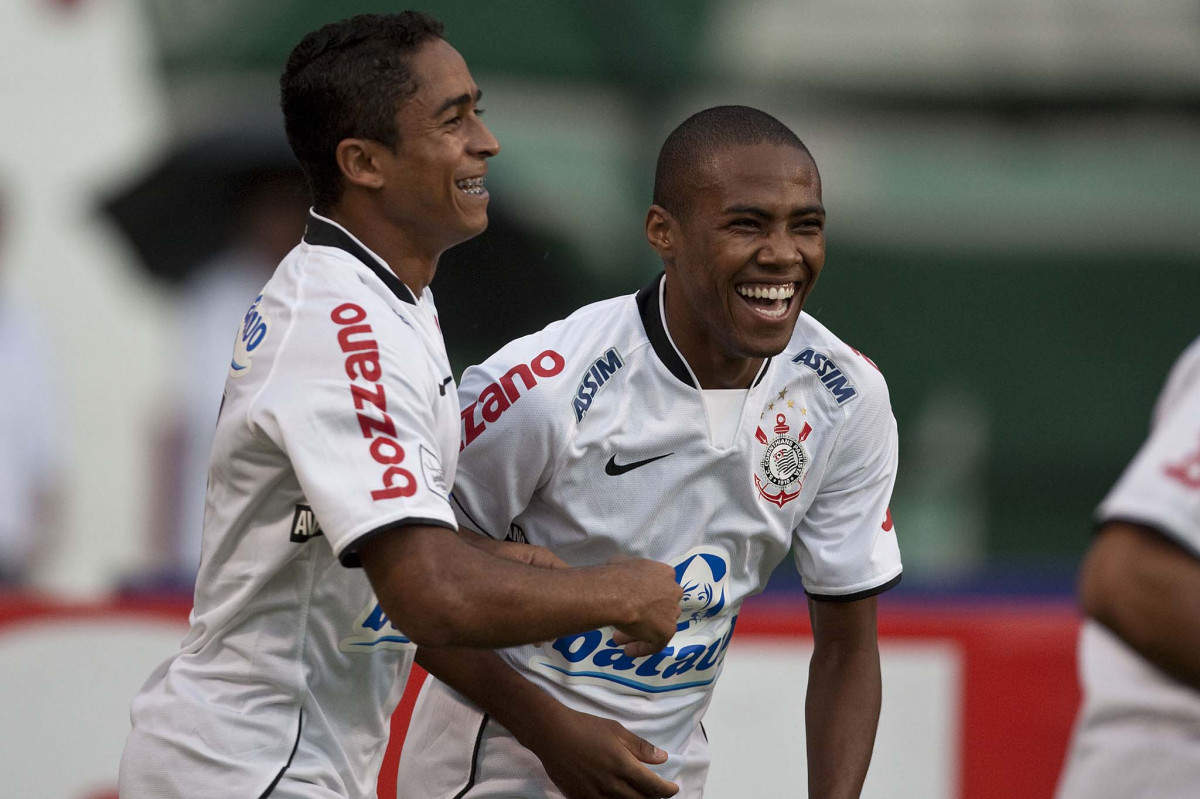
[(1139, 730), (591, 438), (340, 420)]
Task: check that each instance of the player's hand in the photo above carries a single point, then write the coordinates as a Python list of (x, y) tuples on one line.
[(589, 757), (654, 594)]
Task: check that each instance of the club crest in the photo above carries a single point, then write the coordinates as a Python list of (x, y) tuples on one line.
[(779, 474)]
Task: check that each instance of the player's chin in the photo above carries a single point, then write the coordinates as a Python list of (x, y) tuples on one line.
[(470, 226), (765, 336)]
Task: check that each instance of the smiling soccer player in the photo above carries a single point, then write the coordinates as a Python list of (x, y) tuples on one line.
[(707, 422)]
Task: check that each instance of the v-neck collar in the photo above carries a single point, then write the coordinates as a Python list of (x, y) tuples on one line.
[(650, 308), (327, 233)]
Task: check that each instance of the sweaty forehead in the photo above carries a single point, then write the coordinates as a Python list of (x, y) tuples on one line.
[(758, 168), (441, 74)]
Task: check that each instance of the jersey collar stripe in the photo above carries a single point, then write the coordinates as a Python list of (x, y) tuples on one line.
[(761, 373), (656, 331), (324, 233)]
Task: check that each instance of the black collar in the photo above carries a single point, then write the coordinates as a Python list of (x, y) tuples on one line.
[(656, 331), (324, 233)]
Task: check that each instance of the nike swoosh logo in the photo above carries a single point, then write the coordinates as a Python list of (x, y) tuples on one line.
[(612, 468)]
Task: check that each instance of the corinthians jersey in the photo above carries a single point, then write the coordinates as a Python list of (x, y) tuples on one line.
[(1137, 729), (591, 438), (340, 420)]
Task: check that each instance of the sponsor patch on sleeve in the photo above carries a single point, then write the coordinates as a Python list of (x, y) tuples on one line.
[(833, 378), (250, 336)]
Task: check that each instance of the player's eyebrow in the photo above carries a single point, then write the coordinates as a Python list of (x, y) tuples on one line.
[(746, 210), (462, 99), (762, 213)]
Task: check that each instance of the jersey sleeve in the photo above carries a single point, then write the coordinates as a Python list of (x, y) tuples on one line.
[(1161, 486), (845, 546), (512, 433), (351, 403)]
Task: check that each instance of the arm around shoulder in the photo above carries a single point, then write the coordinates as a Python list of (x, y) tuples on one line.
[(442, 591)]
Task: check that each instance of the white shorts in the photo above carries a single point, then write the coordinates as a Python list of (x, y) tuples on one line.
[(453, 751)]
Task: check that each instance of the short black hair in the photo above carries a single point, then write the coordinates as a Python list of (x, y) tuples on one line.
[(346, 80), (702, 135)]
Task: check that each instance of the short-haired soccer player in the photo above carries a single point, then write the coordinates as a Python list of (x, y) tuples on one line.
[(330, 548), (706, 422)]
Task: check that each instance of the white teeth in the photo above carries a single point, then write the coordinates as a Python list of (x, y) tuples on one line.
[(473, 186), (762, 291)]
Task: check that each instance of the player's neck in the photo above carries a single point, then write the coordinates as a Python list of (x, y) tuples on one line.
[(394, 245), (716, 372), (702, 353)]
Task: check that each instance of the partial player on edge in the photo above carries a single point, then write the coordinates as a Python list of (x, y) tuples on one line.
[(1138, 733)]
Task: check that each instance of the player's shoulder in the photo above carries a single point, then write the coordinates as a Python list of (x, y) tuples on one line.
[(1183, 382), (323, 286), (570, 345), (848, 375)]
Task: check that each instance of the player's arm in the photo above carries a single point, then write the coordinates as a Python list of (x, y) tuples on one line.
[(847, 554), (1146, 589), (586, 756), (444, 592), (841, 711)]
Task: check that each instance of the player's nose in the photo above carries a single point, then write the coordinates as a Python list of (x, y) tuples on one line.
[(482, 142), (779, 250)]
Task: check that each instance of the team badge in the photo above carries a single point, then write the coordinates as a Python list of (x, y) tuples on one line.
[(780, 472)]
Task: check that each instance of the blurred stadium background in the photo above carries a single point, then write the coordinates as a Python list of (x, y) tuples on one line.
[(1013, 190)]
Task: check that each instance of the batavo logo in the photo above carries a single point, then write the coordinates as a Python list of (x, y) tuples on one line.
[(250, 335), (691, 661), (373, 631), (498, 397), (362, 365)]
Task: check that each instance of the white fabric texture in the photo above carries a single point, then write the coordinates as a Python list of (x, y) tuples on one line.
[(609, 452), (339, 419)]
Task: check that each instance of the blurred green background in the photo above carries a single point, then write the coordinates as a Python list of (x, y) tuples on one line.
[(1016, 247), (1014, 215)]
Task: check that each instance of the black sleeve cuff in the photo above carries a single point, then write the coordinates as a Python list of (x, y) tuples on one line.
[(879, 589), (1157, 526), (349, 556)]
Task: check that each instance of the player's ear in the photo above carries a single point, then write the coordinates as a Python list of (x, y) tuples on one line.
[(356, 158), (660, 226)]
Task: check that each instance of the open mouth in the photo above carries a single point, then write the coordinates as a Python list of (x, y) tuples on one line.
[(471, 186), (769, 300)]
